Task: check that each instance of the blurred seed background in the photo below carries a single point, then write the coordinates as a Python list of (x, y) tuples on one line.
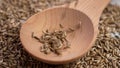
[(104, 54)]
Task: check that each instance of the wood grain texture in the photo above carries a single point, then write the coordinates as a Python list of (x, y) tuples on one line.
[(81, 40), (92, 8)]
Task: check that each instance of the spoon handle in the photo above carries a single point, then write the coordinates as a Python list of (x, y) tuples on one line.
[(92, 8)]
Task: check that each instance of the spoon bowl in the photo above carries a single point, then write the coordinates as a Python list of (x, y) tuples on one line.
[(50, 19)]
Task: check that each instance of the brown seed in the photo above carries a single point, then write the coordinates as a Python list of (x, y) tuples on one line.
[(61, 26), (35, 37), (76, 3), (32, 35), (9, 27), (52, 41), (57, 52)]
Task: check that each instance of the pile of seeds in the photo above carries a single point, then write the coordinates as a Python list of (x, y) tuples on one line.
[(53, 41), (104, 54)]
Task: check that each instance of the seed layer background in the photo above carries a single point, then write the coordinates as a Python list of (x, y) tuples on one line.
[(104, 54)]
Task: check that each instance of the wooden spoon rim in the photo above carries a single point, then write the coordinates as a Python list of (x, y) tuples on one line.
[(65, 60)]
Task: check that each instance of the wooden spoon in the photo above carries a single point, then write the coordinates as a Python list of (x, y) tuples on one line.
[(84, 13)]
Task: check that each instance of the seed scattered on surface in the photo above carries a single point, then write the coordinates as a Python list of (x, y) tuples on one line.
[(53, 41), (20, 10), (70, 29), (61, 26)]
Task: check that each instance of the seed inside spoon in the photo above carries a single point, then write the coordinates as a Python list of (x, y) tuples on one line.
[(54, 41)]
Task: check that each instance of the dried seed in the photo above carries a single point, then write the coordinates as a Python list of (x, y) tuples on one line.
[(23, 60), (57, 52), (76, 3), (32, 35), (71, 29), (35, 37), (52, 41), (61, 26), (47, 31)]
